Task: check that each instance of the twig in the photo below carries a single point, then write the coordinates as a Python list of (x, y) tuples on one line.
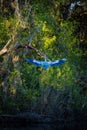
[(29, 46)]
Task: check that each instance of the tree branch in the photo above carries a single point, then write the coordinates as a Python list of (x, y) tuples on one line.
[(4, 50), (29, 46)]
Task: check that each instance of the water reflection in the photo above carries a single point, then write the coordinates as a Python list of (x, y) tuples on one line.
[(36, 127), (39, 127), (31, 127)]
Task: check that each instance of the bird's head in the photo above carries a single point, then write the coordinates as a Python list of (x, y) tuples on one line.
[(64, 59)]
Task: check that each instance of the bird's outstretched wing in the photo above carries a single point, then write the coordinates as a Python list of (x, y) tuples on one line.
[(58, 62), (34, 62)]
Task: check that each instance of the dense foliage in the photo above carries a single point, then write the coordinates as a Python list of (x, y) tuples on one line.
[(55, 33)]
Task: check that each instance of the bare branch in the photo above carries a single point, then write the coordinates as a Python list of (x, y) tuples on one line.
[(4, 50), (28, 46)]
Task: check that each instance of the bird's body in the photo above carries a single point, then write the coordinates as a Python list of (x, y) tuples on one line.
[(45, 64)]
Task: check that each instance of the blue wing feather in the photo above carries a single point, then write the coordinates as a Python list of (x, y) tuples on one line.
[(58, 62), (35, 62)]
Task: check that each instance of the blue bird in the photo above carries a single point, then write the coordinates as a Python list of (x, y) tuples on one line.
[(46, 64)]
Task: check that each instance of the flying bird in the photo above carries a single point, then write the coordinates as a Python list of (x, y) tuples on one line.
[(45, 64)]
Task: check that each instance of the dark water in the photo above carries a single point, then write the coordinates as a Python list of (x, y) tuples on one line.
[(30, 127), (40, 127)]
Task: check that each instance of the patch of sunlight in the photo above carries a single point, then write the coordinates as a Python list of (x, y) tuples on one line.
[(1, 84), (45, 28), (7, 24), (59, 73), (15, 59), (57, 4), (67, 25), (13, 90), (61, 24), (48, 41)]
